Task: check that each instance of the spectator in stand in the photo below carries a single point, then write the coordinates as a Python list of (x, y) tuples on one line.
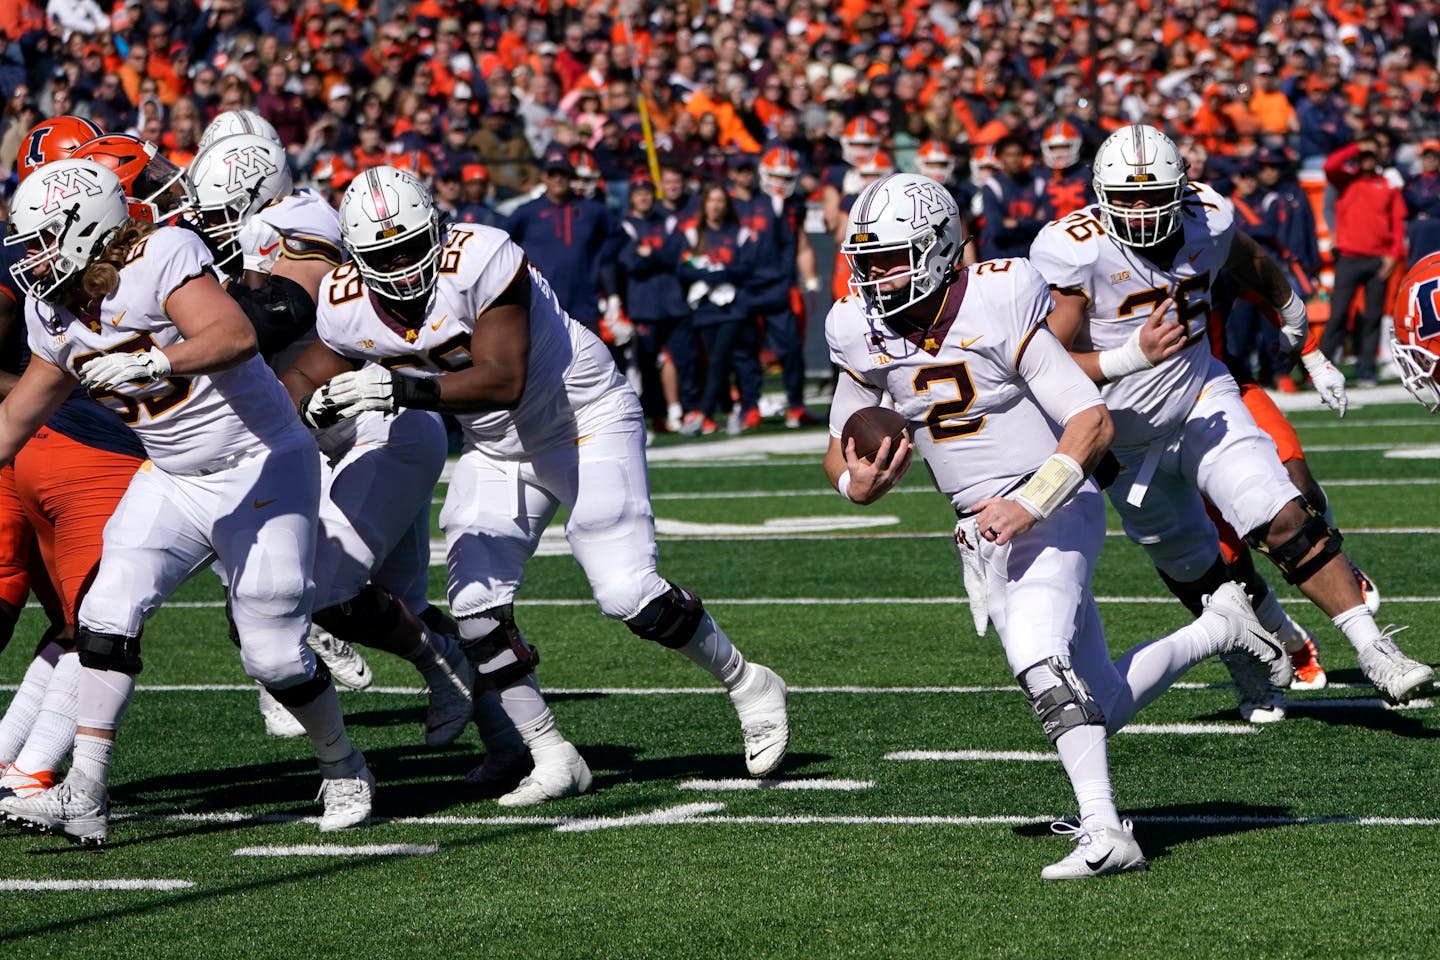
[(655, 303), (1422, 204), (475, 196), (569, 239), (1369, 242), (1270, 107), (502, 147), (715, 262), (1013, 202), (1322, 122)]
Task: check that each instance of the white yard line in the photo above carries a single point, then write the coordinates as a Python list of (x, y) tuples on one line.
[(655, 818), (741, 784), (1189, 729), (328, 850), (68, 886), (1022, 756)]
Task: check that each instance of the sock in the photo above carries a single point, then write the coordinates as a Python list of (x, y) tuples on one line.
[(1358, 625), (102, 697), (1150, 668), (54, 731), (525, 705), (92, 756), (1271, 615), (325, 726), (20, 716), (714, 652), (1083, 752), (497, 730), (1291, 635)]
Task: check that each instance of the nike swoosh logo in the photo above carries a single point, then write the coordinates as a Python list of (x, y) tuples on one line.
[(752, 756), (266, 251), (965, 344), (116, 321), (1097, 864), (1274, 647), (436, 324), (261, 504)]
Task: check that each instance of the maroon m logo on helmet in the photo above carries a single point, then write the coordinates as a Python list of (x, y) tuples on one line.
[(247, 167), (62, 185)]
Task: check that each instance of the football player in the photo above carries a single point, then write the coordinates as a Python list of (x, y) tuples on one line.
[(1067, 188), (50, 140), (376, 467), (1131, 276), (1010, 429), (135, 313), (155, 187), (234, 122), (1415, 344), (58, 494), (463, 325)]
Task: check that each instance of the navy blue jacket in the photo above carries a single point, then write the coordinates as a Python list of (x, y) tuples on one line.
[(1422, 205), (777, 240), (732, 257), (1020, 199), (569, 243), (652, 287)]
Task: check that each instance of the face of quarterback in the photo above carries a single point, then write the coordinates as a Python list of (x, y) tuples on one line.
[(894, 264)]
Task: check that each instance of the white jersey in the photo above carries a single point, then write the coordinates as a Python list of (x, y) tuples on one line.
[(572, 387), (188, 424), (985, 391), (1121, 288), (301, 226)]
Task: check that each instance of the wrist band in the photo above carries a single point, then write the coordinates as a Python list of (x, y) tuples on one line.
[(1054, 483), (842, 485), (422, 393)]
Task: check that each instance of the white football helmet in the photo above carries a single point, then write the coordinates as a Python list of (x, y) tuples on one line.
[(64, 213), (904, 212), (1060, 145), (1140, 184), (860, 139), (779, 172), (230, 181), (391, 230), (935, 160), (234, 122)]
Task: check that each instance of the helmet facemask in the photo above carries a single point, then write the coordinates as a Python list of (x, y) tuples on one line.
[(403, 269), (1417, 372), (1142, 226), (42, 271), (902, 285)]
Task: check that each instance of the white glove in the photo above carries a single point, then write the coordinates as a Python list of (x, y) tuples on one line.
[(723, 295), (696, 293), (1329, 382), (319, 411), (972, 570), (369, 388), (260, 244), (622, 331), (1294, 325), (113, 369), (812, 285)]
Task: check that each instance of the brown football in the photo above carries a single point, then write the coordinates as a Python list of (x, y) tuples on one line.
[(868, 426)]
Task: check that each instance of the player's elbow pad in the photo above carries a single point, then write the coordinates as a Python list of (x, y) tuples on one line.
[(280, 310)]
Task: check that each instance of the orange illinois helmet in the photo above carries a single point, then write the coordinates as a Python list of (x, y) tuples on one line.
[(1060, 145), (1416, 341), (53, 139), (935, 160), (155, 188), (860, 138), (779, 172), (586, 180), (875, 166)]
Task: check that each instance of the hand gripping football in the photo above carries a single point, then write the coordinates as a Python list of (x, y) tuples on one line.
[(871, 425)]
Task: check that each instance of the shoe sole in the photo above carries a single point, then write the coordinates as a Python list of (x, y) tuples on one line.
[(1412, 688), (50, 830)]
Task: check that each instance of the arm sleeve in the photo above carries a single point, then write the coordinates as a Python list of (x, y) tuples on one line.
[(1337, 166), (1055, 380)]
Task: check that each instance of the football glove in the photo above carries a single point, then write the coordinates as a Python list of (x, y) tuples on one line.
[(372, 387), (113, 369), (1329, 382)]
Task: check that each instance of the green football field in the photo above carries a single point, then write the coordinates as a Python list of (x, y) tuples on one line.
[(1316, 837)]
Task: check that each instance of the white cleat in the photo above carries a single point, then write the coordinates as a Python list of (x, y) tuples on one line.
[(1097, 853), (759, 700), (279, 722), (1396, 676), (347, 801), (347, 667), (501, 771), (561, 773), (450, 693), (77, 809), (1244, 634), (1260, 700)]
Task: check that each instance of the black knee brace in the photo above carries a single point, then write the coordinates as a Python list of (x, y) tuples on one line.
[(303, 693), (438, 621), (482, 648), (108, 651), (1290, 555), (671, 619), (371, 612), (1191, 593), (1064, 707)]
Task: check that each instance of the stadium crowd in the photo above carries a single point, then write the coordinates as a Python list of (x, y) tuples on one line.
[(533, 115)]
